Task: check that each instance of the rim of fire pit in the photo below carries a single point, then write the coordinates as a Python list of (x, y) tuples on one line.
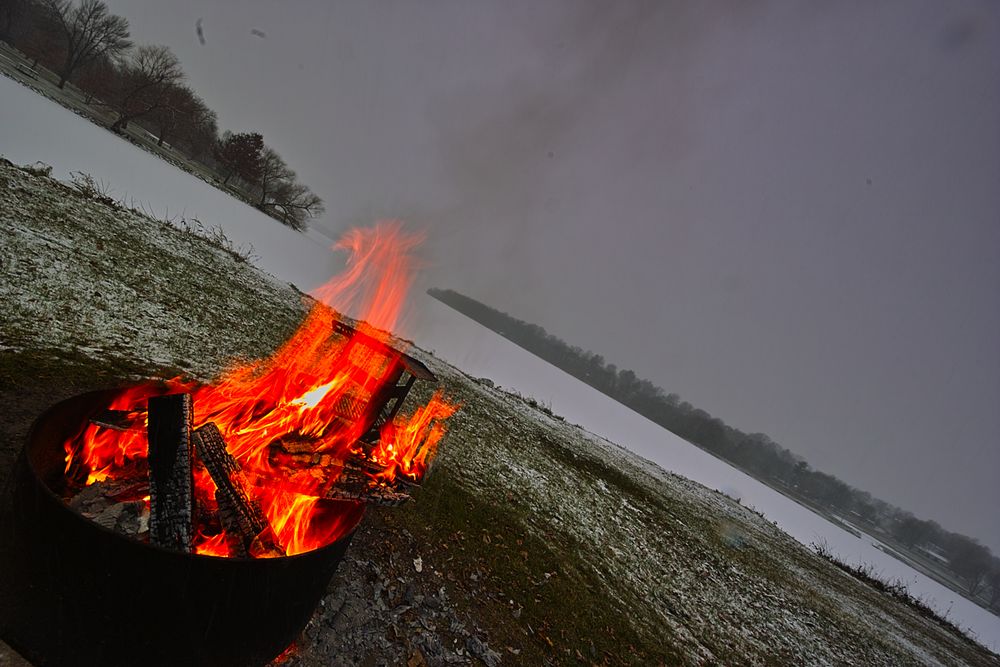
[(96, 397)]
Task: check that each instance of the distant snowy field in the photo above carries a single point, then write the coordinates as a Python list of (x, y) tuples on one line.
[(33, 128)]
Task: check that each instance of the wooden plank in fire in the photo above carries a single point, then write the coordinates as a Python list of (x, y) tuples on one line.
[(335, 481), (366, 492), (248, 531), (303, 453), (171, 483)]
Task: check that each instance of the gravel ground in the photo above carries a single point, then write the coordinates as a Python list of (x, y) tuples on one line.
[(532, 541)]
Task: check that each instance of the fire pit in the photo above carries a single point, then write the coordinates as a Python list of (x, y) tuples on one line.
[(75, 593)]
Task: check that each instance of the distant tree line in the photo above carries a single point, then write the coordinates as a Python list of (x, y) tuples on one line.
[(83, 43), (756, 453)]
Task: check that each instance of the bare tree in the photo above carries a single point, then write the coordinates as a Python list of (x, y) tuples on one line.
[(240, 154), (293, 203), (98, 79), (90, 31), (201, 133), (281, 196), (273, 172), (13, 16), (145, 84), (993, 578), (41, 37), (181, 108), (971, 560), (914, 532)]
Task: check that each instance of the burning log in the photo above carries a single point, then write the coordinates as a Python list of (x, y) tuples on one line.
[(366, 492), (305, 452), (299, 458), (358, 485), (171, 482), (323, 476), (247, 529), (118, 420)]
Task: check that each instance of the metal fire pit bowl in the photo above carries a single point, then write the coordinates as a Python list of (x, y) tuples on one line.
[(74, 593)]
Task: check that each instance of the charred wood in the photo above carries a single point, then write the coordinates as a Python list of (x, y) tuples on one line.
[(327, 466), (293, 443), (127, 518), (111, 491), (248, 531), (117, 505), (336, 482), (367, 493), (171, 482)]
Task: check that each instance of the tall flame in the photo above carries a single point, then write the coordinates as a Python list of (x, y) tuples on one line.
[(378, 276), (318, 389)]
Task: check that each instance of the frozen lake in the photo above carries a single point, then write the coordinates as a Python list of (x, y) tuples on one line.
[(34, 129)]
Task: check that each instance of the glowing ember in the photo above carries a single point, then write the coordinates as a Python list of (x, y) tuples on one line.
[(322, 395)]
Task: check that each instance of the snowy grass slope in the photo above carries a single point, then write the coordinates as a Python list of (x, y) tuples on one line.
[(135, 289)]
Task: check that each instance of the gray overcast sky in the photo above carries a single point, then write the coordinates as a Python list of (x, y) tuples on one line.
[(789, 213)]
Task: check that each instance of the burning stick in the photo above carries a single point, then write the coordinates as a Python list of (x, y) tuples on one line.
[(118, 420), (325, 476), (170, 480), (247, 528)]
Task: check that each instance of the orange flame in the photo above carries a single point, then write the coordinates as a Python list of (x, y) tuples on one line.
[(321, 388), (378, 275), (407, 448)]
